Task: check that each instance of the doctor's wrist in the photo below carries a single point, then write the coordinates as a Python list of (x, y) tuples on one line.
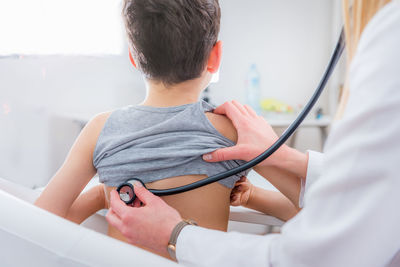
[(171, 248), (291, 160)]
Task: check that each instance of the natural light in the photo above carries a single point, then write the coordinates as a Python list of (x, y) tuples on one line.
[(48, 27)]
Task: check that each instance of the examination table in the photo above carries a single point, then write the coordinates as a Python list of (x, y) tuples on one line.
[(30, 236)]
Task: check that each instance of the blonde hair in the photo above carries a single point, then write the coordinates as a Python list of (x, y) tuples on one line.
[(357, 14)]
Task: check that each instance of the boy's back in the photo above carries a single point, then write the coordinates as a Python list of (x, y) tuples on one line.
[(155, 144), (175, 45), (208, 205)]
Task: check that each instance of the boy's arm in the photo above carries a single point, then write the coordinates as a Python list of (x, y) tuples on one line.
[(272, 203), (67, 184), (269, 202), (87, 204)]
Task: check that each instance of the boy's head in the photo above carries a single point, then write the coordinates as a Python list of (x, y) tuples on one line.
[(171, 40)]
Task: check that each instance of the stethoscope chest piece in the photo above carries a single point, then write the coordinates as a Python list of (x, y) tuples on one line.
[(126, 190)]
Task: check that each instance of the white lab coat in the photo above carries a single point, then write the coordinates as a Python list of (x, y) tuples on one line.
[(351, 214)]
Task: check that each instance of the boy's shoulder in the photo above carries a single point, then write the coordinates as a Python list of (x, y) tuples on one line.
[(93, 128), (98, 121), (223, 125)]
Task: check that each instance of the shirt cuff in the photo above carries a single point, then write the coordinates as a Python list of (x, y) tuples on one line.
[(314, 169)]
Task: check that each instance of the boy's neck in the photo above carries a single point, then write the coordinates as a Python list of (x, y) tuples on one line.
[(160, 95)]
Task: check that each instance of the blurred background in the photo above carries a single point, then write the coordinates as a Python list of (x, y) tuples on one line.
[(61, 62)]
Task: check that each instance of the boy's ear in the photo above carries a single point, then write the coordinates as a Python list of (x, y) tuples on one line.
[(131, 59), (214, 61)]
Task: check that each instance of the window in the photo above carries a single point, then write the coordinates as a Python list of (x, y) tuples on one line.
[(48, 27)]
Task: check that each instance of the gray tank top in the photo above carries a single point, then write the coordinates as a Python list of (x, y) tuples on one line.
[(156, 143)]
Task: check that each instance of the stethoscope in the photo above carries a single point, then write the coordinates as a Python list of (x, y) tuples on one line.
[(126, 190)]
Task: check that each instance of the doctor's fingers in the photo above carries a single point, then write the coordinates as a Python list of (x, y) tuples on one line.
[(114, 219), (240, 107), (117, 205), (224, 154), (250, 111), (240, 116), (136, 203), (145, 195), (126, 223), (231, 111)]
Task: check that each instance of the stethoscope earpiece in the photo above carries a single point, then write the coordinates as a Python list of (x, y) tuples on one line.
[(126, 191)]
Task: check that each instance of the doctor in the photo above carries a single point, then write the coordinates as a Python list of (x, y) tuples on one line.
[(351, 193)]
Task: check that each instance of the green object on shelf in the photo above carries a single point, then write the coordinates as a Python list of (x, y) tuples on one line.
[(273, 105)]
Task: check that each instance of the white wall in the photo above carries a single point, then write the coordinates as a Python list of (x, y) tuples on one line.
[(290, 41), (33, 142)]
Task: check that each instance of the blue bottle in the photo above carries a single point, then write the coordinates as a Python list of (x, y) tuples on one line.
[(253, 88)]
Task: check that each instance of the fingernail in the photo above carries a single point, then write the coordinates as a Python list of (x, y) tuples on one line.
[(207, 157), (138, 184)]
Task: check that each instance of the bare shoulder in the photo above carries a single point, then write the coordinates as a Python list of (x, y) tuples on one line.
[(98, 121), (223, 125), (91, 132)]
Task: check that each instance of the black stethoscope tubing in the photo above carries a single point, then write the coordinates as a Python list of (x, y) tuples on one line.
[(284, 137)]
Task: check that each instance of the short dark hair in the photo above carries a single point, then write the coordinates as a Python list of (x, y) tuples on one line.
[(171, 40)]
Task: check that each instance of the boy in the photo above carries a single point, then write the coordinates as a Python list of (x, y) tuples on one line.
[(175, 45)]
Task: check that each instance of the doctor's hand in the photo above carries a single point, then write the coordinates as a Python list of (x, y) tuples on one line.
[(255, 135), (149, 225)]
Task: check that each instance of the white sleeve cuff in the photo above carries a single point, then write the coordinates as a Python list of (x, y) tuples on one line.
[(314, 169), (197, 246), (183, 243)]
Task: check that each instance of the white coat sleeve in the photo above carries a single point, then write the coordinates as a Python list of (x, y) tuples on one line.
[(314, 170), (351, 216)]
